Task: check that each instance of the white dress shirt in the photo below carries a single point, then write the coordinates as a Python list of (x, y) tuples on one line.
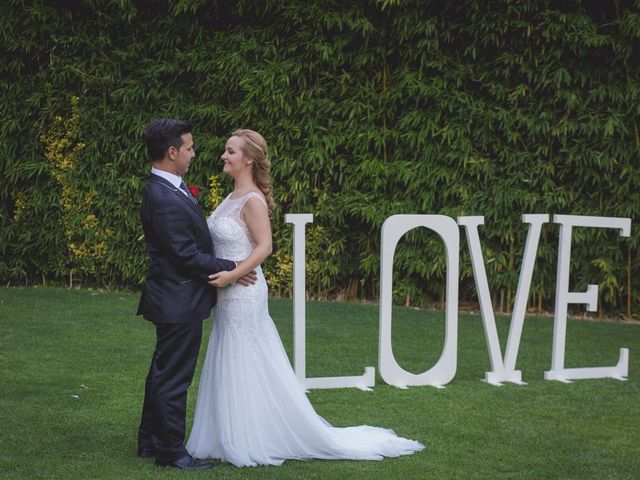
[(175, 180)]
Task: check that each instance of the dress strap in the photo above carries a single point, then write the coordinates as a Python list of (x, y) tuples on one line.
[(256, 195)]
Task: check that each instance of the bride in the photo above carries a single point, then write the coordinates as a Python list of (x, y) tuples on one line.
[(251, 409)]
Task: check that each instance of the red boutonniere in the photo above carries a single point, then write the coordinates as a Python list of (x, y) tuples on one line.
[(195, 190)]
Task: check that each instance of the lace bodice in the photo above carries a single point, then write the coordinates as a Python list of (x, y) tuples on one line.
[(230, 234), (233, 241)]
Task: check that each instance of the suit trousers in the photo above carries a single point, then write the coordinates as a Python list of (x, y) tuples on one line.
[(162, 428)]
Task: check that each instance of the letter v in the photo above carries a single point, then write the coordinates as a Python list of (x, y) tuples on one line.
[(503, 371)]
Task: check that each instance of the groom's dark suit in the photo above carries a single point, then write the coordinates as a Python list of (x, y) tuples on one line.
[(176, 298)]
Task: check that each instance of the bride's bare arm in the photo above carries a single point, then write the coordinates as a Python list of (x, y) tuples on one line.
[(256, 216)]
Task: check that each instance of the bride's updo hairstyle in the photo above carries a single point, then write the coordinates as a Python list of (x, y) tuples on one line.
[(255, 147)]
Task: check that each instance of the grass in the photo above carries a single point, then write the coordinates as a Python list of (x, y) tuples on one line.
[(73, 362)]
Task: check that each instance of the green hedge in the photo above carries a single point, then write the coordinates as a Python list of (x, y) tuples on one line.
[(370, 108)]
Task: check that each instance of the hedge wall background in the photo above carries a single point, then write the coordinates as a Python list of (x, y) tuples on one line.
[(371, 108)]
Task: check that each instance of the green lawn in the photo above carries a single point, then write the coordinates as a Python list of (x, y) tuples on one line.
[(73, 363)]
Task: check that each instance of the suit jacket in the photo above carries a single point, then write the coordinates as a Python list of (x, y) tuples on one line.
[(181, 256)]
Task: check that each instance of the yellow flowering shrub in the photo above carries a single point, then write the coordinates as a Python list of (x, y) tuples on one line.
[(215, 196), (278, 271), (86, 239), (20, 205)]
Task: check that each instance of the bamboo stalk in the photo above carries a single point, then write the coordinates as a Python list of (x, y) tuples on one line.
[(629, 282), (540, 299), (385, 85), (510, 287)]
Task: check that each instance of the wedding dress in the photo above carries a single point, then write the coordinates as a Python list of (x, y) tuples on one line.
[(251, 409)]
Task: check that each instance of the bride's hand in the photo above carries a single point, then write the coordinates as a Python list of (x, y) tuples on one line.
[(249, 279), (220, 279)]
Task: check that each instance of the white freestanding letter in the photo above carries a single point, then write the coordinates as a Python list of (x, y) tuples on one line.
[(564, 297), (503, 371), (362, 382), (445, 369)]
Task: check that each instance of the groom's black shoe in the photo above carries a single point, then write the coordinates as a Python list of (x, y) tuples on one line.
[(185, 463)]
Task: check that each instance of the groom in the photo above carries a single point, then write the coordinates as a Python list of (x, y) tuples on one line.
[(176, 296)]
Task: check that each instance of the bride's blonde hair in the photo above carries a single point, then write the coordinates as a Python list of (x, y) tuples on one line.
[(255, 147)]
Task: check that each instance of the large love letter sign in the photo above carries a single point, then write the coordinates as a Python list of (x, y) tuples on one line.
[(564, 297), (445, 369), (364, 381)]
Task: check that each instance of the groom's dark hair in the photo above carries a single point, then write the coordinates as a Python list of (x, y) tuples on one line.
[(163, 133)]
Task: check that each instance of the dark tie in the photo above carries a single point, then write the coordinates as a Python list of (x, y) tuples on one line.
[(184, 188)]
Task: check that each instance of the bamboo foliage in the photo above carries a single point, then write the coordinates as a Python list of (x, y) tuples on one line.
[(370, 108)]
